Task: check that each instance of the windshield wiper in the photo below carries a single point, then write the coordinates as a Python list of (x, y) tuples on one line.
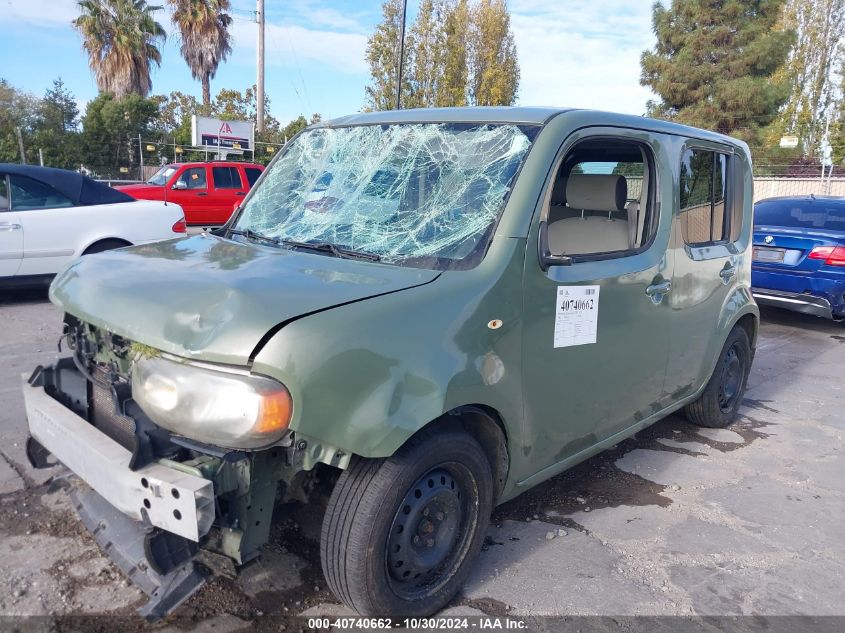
[(337, 251), (255, 236)]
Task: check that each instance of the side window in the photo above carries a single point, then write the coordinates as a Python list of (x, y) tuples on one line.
[(226, 177), (4, 193), (252, 174), (705, 208), (601, 204), (27, 194), (194, 178)]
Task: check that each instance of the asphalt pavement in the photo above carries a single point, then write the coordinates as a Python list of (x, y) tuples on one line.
[(676, 521)]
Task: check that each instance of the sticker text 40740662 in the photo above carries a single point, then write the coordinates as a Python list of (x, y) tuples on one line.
[(576, 315)]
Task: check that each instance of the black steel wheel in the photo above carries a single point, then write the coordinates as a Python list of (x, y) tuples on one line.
[(428, 531), (400, 534), (718, 404)]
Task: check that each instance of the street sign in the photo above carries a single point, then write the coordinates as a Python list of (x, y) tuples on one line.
[(789, 142), (209, 132)]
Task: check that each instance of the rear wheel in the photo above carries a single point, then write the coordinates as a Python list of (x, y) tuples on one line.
[(718, 404), (400, 534), (105, 245)]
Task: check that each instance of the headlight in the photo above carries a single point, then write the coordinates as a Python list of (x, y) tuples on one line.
[(220, 407)]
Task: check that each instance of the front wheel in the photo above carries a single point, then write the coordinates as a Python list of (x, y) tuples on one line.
[(400, 534), (719, 402)]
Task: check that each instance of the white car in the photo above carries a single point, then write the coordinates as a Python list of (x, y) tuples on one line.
[(49, 217)]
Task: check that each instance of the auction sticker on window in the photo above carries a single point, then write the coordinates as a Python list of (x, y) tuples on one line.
[(576, 315)]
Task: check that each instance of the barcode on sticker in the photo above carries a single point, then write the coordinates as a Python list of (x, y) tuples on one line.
[(589, 291)]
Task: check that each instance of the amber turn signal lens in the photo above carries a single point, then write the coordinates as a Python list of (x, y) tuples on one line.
[(274, 412)]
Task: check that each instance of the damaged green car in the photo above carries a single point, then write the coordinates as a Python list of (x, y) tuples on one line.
[(432, 310)]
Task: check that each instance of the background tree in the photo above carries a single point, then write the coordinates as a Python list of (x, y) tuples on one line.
[(110, 131), (837, 125), (121, 38), (810, 70), (17, 110), (452, 85), (715, 64), (204, 32), (56, 128), (174, 116), (492, 55), (383, 58), (456, 53), (426, 43)]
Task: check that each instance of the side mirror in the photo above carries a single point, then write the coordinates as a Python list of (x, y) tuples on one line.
[(180, 184), (545, 255)]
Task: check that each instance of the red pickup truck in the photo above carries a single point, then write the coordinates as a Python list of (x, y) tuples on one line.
[(207, 192)]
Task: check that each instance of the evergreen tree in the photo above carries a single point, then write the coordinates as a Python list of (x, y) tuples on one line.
[(56, 129), (110, 130), (715, 64)]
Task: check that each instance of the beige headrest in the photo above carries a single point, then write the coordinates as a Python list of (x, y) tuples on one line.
[(597, 192)]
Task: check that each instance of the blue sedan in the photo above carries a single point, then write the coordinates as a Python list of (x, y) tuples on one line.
[(799, 255)]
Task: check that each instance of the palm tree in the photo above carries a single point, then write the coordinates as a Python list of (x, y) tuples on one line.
[(120, 37), (204, 29)]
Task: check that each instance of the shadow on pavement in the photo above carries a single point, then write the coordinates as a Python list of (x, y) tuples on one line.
[(17, 296)]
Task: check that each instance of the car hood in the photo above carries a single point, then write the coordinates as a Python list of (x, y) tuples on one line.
[(213, 299)]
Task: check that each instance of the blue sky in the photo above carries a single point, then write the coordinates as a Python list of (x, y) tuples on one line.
[(581, 53)]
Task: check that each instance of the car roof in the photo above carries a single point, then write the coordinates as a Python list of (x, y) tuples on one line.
[(80, 189), (520, 115), (194, 163)]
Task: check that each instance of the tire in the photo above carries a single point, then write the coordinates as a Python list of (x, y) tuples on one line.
[(105, 245), (440, 483), (719, 402)]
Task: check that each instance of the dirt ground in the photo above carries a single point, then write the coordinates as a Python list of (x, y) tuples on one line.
[(676, 521)]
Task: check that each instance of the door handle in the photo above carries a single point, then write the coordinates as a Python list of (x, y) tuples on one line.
[(727, 273), (201, 193), (657, 291), (9, 226), (240, 193)]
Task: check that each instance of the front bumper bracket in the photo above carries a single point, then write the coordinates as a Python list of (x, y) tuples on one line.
[(168, 578)]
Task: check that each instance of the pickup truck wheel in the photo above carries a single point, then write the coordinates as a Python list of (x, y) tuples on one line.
[(400, 534), (718, 404)]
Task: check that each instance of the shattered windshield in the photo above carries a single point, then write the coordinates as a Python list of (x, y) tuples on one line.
[(418, 194)]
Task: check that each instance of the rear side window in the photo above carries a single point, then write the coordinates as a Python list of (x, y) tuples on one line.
[(27, 194), (704, 200), (252, 174), (226, 177), (801, 214), (4, 194)]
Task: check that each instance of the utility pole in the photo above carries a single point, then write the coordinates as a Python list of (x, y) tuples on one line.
[(259, 84), (401, 56), (20, 145)]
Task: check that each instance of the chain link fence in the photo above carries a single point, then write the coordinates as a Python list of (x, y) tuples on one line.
[(139, 159)]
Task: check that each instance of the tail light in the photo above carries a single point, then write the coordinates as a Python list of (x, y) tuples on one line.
[(831, 255), (179, 226)]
